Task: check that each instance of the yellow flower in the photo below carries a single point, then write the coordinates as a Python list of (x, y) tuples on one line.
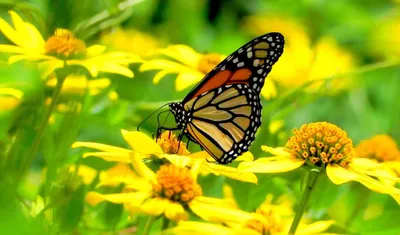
[(303, 62), (10, 98), (383, 41), (167, 147), (131, 40), (190, 65), (61, 49), (87, 173), (169, 191), (383, 153), (270, 218), (325, 146), (75, 84)]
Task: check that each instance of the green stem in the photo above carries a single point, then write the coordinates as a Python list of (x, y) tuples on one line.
[(43, 124), (165, 223), (312, 179), (149, 223)]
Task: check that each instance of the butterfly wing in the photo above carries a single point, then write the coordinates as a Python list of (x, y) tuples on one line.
[(225, 120), (249, 65)]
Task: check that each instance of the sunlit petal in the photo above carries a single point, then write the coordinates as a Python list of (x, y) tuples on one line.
[(141, 143), (141, 168), (280, 151), (245, 157), (217, 213), (339, 175), (95, 50), (271, 165), (230, 172), (365, 163), (186, 79), (315, 228), (110, 156), (183, 54), (102, 147), (157, 78), (94, 198)]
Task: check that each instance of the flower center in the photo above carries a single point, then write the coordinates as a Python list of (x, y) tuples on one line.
[(209, 61), (176, 184), (380, 147), (64, 45), (321, 143), (171, 145)]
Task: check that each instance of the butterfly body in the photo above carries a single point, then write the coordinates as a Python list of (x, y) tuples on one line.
[(223, 112)]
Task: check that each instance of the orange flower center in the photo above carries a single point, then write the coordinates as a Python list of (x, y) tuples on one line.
[(65, 45), (321, 143), (380, 147), (176, 184), (209, 61), (171, 145)]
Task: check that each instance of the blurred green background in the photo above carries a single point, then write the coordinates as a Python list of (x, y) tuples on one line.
[(358, 90)]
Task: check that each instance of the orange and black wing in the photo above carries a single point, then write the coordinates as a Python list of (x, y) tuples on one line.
[(224, 120), (249, 65)]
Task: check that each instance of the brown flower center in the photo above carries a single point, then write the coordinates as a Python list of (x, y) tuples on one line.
[(209, 61), (321, 143), (176, 184), (65, 45), (380, 147), (171, 145)]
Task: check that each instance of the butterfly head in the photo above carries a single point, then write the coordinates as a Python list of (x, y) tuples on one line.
[(181, 116)]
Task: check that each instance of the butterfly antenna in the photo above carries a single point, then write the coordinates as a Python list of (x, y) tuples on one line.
[(152, 115)]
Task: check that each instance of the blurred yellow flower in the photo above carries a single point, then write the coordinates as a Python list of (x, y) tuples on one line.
[(10, 98), (171, 191), (325, 146), (302, 61), (131, 40), (383, 152), (169, 148), (190, 65), (384, 42), (75, 84), (61, 49), (270, 218), (87, 173)]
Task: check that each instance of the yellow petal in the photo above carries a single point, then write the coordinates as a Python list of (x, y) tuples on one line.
[(201, 228), (177, 160), (102, 147), (217, 213), (271, 165), (280, 151), (110, 156), (11, 91), (366, 163), (202, 155), (245, 157), (339, 175), (141, 168), (11, 48), (315, 228), (36, 39), (183, 54), (160, 64), (159, 76), (141, 143), (11, 34), (47, 67), (87, 173), (231, 172), (95, 50), (176, 212), (157, 206), (269, 90), (187, 79)]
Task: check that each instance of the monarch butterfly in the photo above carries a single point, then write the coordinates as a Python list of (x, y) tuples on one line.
[(223, 112)]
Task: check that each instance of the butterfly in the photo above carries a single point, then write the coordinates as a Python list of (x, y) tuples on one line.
[(223, 111)]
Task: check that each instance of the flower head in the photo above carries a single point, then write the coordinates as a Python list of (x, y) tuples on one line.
[(321, 143), (61, 49), (176, 184), (382, 148), (324, 146), (169, 191), (64, 44)]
